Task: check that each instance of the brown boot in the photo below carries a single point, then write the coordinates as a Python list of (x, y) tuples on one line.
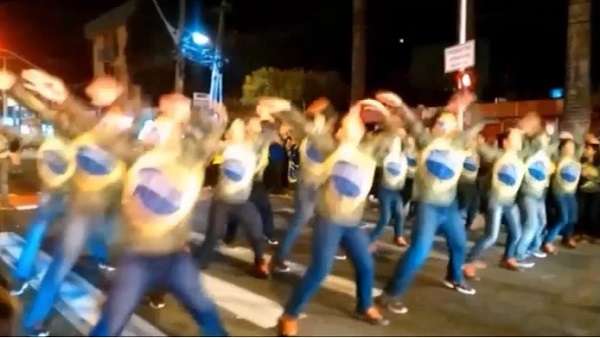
[(374, 317), (510, 264), (470, 271), (261, 269), (570, 243), (549, 248), (287, 327), (400, 241)]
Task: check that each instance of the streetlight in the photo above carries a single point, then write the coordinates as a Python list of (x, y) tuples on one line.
[(200, 39)]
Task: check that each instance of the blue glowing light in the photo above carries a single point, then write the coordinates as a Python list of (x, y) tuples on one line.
[(200, 39)]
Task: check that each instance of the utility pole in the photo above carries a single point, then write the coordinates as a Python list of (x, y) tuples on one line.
[(462, 38), (180, 59), (578, 103), (216, 81), (357, 86)]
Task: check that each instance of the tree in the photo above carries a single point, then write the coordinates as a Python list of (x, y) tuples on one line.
[(357, 90), (295, 85), (578, 103)]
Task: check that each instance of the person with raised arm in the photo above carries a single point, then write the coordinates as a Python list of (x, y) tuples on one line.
[(468, 185), (394, 168), (309, 177), (505, 181), (96, 181), (263, 134), (55, 165), (160, 191), (532, 194), (230, 200), (563, 189), (442, 155), (345, 180)]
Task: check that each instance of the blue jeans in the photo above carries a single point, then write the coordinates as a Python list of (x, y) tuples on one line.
[(493, 220), (50, 208), (566, 206), (469, 201), (429, 219), (260, 198), (326, 239), (304, 208), (138, 273), (80, 230), (533, 214), (390, 205)]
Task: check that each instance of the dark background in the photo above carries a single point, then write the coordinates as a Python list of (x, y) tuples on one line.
[(525, 39)]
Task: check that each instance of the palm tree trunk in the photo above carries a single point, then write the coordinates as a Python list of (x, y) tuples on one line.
[(357, 90), (578, 105)]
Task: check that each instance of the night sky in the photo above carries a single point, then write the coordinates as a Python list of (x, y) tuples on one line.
[(527, 37)]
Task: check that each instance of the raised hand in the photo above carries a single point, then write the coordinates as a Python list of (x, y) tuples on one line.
[(370, 110), (318, 106), (237, 131), (388, 98), (221, 111), (175, 106), (104, 91), (530, 124), (319, 123), (550, 128), (7, 80), (49, 87), (270, 105)]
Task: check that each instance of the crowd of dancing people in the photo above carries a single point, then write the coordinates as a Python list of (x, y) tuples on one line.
[(103, 179)]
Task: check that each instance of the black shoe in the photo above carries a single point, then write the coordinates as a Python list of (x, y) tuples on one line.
[(393, 305), (461, 287), (19, 289), (156, 304), (106, 267)]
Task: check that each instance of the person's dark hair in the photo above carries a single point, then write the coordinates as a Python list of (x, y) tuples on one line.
[(501, 137), (564, 142)]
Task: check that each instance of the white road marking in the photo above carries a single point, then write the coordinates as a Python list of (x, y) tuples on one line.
[(244, 304), (331, 282), (391, 247), (79, 301)]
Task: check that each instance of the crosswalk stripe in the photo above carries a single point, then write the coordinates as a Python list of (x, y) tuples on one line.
[(81, 299), (391, 247), (244, 304), (331, 282)]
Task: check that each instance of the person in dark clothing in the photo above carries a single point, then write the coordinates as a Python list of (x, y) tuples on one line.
[(8, 309), (276, 168), (588, 196), (290, 176)]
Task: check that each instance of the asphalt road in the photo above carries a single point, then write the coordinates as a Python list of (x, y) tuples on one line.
[(559, 297)]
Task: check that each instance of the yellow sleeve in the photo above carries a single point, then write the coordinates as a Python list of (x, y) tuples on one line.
[(263, 160)]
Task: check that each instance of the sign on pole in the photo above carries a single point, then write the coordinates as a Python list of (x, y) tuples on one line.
[(200, 99), (459, 57)]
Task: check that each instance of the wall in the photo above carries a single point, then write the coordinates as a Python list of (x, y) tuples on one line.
[(506, 114)]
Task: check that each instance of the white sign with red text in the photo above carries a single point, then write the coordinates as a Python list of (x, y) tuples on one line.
[(459, 57)]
